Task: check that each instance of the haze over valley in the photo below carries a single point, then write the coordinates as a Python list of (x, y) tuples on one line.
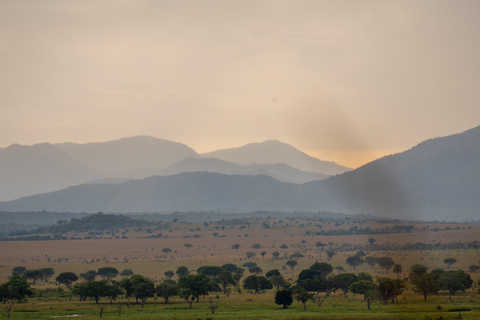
[(437, 179)]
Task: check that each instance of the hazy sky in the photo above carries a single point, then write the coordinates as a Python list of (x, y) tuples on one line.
[(346, 81)]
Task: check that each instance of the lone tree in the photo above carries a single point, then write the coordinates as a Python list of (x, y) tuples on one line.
[(169, 274), (284, 298), (166, 250), (449, 261), (236, 246), (66, 278), (291, 263), (397, 269), (330, 254)]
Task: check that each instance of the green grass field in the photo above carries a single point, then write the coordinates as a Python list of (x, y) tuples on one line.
[(212, 245), (260, 306)]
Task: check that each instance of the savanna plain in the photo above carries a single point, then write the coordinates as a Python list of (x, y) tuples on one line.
[(346, 268)]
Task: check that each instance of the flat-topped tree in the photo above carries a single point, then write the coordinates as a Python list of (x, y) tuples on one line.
[(449, 261), (107, 273), (66, 278)]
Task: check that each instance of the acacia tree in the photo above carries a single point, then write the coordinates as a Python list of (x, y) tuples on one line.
[(107, 273), (303, 296), (354, 261), (449, 261), (257, 283), (367, 288), (225, 279), (66, 278), (47, 273), (33, 275), (182, 271), (126, 273), (284, 297), (89, 275), (193, 286), (343, 281), (386, 263), (423, 284), (390, 288), (16, 288), (454, 281), (166, 289), (291, 263), (166, 250)]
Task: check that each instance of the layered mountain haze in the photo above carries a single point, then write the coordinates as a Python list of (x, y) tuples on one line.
[(272, 152), (278, 171), (28, 170), (437, 179)]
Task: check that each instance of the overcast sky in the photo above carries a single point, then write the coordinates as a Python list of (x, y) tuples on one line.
[(347, 81)]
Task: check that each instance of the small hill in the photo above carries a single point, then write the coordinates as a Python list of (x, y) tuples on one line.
[(128, 154), (273, 152), (98, 221)]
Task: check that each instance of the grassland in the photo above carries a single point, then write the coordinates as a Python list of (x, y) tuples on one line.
[(140, 249)]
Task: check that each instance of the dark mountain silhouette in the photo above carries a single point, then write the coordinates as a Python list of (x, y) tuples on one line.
[(197, 191), (272, 152), (437, 179), (27, 170), (127, 154)]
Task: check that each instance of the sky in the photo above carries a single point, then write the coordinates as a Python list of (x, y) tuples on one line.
[(344, 81)]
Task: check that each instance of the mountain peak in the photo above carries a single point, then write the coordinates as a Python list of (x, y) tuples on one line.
[(274, 151)]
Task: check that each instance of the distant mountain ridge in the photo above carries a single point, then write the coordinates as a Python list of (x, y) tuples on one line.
[(437, 179), (27, 170), (140, 152), (41, 168), (269, 152)]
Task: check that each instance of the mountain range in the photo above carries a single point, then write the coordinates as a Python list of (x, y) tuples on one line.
[(437, 179), (42, 168)]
